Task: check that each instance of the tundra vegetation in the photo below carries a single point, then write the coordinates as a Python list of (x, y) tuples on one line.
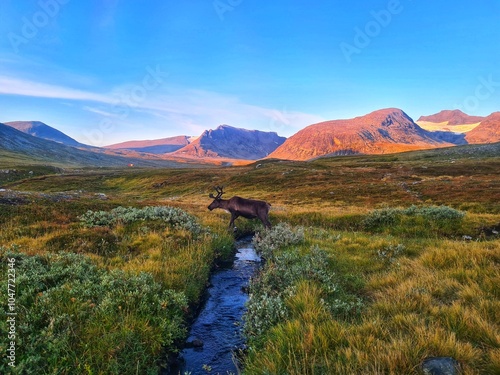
[(373, 264)]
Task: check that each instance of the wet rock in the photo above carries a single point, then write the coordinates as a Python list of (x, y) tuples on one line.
[(490, 231), (196, 343), (440, 366)]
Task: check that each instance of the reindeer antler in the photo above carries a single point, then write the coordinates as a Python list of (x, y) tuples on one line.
[(219, 190)]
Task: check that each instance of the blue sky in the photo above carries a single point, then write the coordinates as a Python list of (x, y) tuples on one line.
[(114, 70)]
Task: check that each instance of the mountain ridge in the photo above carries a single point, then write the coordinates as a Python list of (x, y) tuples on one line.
[(387, 130), (154, 146), (488, 130), (47, 151), (44, 131), (452, 117), (234, 143)]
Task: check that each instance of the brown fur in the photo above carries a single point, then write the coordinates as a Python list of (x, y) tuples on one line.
[(247, 208)]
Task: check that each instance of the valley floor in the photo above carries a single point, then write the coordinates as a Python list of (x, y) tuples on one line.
[(373, 265)]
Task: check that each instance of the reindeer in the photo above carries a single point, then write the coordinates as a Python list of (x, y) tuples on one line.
[(237, 206)]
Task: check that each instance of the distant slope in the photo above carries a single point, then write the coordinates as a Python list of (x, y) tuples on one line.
[(16, 143), (383, 131), (451, 117), (488, 131), (156, 146), (233, 143), (44, 131), (444, 127)]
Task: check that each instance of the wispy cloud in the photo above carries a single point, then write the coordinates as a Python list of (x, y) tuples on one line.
[(99, 111), (202, 109), (179, 107), (22, 87)]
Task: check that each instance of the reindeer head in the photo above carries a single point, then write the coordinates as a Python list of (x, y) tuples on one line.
[(217, 198)]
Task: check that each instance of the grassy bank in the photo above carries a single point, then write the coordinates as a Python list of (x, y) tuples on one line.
[(389, 301), (104, 291), (397, 261)]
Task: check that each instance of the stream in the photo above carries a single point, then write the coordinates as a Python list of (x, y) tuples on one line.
[(216, 332)]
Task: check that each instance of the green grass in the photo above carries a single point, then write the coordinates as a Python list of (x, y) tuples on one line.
[(112, 298), (74, 317), (433, 297), (380, 278)]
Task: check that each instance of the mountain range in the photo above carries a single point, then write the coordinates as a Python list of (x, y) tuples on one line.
[(232, 143), (18, 144), (155, 146), (383, 131)]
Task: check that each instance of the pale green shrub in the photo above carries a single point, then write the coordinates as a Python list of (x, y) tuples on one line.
[(278, 281), (73, 315), (279, 236), (392, 216), (390, 253), (173, 216)]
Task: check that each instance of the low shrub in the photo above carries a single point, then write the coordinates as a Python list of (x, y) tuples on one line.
[(416, 220), (173, 216), (74, 317), (389, 254), (277, 237), (278, 281), (382, 217), (435, 213), (100, 241)]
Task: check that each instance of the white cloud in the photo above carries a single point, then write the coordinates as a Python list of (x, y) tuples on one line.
[(16, 86), (181, 109), (204, 109), (99, 111)]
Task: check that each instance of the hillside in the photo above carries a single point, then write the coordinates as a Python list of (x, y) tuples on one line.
[(488, 131), (156, 146), (44, 131), (18, 145), (383, 131), (234, 143)]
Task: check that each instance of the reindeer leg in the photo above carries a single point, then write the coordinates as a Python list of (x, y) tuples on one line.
[(267, 223), (234, 216), (264, 219)]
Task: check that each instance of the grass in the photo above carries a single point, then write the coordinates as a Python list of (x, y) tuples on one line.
[(107, 298), (377, 279), (434, 298)]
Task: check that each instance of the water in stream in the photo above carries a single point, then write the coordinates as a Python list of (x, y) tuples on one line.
[(218, 326)]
